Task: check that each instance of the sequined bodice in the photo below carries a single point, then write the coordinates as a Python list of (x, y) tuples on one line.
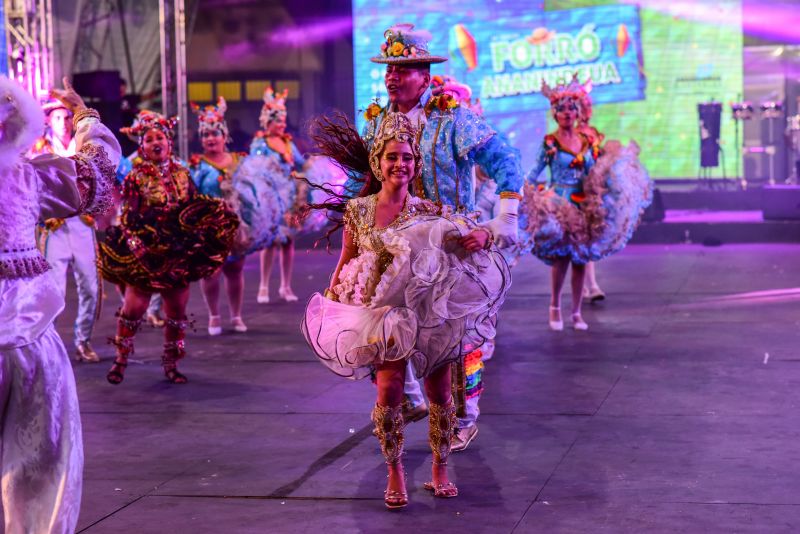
[(360, 222), (162, 188)]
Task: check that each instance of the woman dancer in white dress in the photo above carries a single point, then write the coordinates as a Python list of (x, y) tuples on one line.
[(41, 443), (411, 284)]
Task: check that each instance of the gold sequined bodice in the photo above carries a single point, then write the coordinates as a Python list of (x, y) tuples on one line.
[(359, 220)]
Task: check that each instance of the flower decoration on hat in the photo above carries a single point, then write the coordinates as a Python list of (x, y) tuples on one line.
[(460, 92), (373, 110), (404, 44), (274, 106), (212, 117), (148, 120)]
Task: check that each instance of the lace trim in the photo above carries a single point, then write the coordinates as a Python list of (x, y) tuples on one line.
[(96, 175), (13, 268)]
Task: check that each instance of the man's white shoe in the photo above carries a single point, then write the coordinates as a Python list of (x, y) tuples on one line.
[(463, 438)]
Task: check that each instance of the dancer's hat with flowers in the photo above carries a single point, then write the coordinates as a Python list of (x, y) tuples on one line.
[(404, 45)]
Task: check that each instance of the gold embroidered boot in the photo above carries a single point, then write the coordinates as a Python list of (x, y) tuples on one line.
[(389, 430), (174, 349), (442, 424)]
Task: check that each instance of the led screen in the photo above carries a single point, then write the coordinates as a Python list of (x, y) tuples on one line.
[(650, 65)]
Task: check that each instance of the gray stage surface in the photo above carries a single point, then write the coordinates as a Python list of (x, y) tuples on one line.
[(676, 411)]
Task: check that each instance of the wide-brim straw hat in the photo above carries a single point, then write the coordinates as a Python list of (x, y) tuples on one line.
[(405, 45)]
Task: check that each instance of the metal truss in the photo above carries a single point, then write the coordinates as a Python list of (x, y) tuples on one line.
[(29, 42)]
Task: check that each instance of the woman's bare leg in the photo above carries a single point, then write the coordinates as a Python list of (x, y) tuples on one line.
[(287, 263), (234, 285), (558, 273), (210, 289), (266, 256)]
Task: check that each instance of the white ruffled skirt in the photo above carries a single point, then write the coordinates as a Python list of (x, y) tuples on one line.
[(432, 301)]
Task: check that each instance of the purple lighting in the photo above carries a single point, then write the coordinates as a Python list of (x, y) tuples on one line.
[(318, 32), (766, 20)]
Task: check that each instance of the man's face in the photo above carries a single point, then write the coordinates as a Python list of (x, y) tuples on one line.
[(60, 121), (406, 83)]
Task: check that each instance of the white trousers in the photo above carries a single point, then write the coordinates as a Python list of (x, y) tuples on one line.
[(74, 244), (41, 452)]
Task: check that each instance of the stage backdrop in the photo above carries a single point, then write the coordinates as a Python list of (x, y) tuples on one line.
[(650, 62)]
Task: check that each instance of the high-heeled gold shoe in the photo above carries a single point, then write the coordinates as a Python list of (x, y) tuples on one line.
[(442, 424), (389, 431)]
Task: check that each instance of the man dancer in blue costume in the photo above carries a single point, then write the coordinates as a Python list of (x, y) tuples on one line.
[(453, 140)]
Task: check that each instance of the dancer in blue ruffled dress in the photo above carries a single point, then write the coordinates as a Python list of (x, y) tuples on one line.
[(248, 186), (589, 205), (275, 143)]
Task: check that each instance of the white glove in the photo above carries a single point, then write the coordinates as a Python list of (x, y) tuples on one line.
[(505, 227)]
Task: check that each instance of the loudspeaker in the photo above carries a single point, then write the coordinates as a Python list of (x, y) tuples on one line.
[(99, 84), (710, 114), (101, 90), (655, 211), (780, 202)]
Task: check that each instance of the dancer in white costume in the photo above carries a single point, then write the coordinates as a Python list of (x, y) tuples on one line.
[(453, 140), (71, 242), (42, 447), (413, 283)]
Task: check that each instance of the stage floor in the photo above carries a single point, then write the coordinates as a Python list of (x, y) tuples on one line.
[(676, 411)]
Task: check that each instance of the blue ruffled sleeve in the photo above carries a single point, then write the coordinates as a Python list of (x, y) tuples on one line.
[(259, 147), (124, 168), (542, 161), (500, 160), (206, 178), (299, 160), (590, 161)]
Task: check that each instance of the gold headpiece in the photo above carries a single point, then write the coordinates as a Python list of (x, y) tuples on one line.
[(398, 127)]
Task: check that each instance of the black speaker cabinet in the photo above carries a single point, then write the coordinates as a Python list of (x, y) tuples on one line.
[(655, 211), (780, 202)]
